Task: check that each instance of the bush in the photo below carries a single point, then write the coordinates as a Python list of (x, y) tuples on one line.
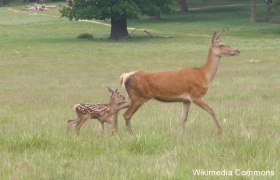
[(7, 2), (85, 36)]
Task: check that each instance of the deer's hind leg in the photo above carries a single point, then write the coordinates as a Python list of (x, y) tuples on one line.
[(82, 120), (71, 122), (135, 105)]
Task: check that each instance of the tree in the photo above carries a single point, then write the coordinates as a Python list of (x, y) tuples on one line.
[(276, 5), (183, 5), (253, 11), (270, 6), (268, 10), (116, 10)]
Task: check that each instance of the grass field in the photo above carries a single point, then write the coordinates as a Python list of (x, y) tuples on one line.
[(45, 69)]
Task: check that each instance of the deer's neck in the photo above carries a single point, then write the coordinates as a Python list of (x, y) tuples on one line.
[(211, 65), (112, 107)]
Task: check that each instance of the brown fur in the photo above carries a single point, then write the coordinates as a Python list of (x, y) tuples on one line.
[(107, 112), (184, 85)]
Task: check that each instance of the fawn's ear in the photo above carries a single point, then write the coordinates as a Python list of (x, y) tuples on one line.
[(110, 90), (116, 90)]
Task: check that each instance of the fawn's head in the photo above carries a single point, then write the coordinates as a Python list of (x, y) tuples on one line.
[(221, 49), (116, 97)]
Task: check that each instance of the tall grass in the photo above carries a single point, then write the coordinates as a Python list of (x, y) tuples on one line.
[(45, 69)]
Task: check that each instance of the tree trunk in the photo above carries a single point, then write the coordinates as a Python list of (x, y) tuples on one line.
[(156, 18), (118, 29), (253, 11), (183, 5), (268, 10)]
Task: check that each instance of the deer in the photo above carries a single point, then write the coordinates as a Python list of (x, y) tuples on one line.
[(107, 112), (185, 85)]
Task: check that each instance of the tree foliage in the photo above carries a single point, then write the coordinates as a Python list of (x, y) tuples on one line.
[(102, 9), (276, 5), (19, 2), (116, 10), (154, 7)]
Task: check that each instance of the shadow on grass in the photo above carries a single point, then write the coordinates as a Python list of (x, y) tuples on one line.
[(69, 40)]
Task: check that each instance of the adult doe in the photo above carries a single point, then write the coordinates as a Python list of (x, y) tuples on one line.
[(107, 112), (184, 85)]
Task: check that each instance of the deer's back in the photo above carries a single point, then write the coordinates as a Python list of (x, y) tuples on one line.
[(95, 110)]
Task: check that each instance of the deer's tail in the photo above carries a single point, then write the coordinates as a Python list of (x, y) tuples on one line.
[(125, 76), (75, 107)]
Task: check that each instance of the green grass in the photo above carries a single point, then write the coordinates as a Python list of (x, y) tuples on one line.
[(45, 69)]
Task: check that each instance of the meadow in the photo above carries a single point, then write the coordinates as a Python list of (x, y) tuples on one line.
[(45, 70)]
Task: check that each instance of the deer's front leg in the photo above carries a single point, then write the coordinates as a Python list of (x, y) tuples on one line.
[(102, 127), (185, 110), (208, 109), (115, 124)]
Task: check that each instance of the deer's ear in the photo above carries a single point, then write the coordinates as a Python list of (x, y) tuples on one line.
[(213, 37), (110, 90), (216, 37), (116, 90)]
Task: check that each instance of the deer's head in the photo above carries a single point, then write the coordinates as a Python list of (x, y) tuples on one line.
[(116, 97), (220, 48)]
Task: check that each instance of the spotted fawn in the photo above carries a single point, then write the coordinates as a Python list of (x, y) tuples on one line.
[(107, 112)]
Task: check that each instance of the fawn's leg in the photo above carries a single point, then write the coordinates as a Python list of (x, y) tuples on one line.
[(115, 123), (70, 123), (102, 127), (80, 123)]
